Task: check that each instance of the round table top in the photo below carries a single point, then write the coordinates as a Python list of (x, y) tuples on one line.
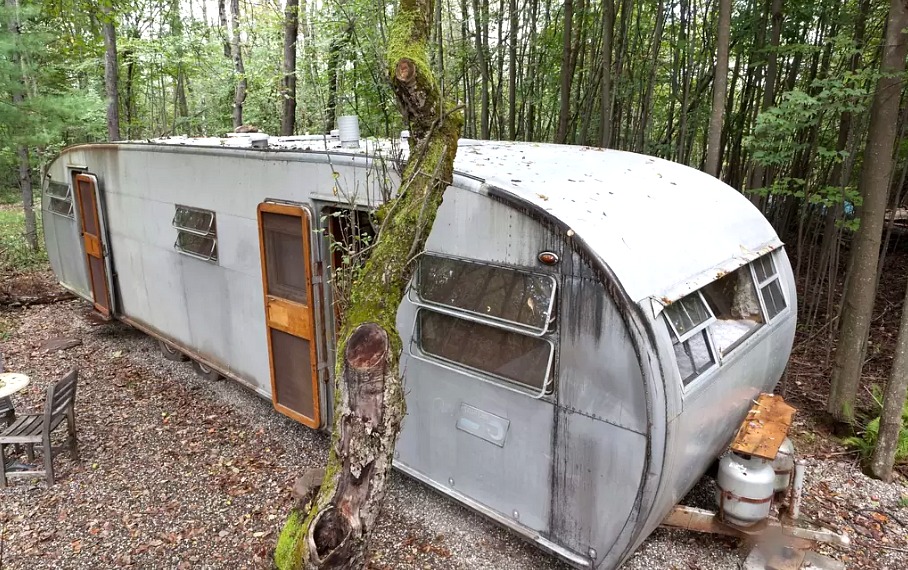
[(12, 382)]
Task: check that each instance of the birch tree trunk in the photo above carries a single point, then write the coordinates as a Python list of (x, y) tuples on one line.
[(861, 287), (720, 85), (331, 528), (291, 31)]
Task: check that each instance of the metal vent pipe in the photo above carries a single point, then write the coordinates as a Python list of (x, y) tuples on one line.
[(348, 127)]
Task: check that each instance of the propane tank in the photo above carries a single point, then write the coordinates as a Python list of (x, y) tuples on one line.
[(746, 486), (783, 465)]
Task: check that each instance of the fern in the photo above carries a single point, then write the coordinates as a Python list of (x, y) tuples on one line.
[(865, 443)]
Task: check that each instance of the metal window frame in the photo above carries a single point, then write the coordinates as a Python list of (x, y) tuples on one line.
[(212, 227), (66, 195), (761, 284), (714, 359), (211, 258), (710, 320), (66, 198), (54, 200), (414, 297), (211, 233), (417, 352)]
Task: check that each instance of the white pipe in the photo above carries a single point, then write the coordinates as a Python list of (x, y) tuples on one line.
[(797, 488), (348, 129)]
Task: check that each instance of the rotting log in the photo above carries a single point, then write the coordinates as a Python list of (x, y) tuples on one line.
[(332, 529)]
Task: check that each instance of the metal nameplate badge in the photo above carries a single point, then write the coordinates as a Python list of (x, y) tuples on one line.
[(483, 425)]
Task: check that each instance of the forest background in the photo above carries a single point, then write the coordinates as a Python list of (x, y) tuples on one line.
[(799, 105)]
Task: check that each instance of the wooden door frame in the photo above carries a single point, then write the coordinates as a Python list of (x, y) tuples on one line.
[(305, 216), (83, 176)]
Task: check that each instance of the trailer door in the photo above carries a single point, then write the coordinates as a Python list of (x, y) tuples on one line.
[(92, 231), (289, 310)]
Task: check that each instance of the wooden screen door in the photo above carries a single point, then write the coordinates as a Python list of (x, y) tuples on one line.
[(86, 186), (289, 314)]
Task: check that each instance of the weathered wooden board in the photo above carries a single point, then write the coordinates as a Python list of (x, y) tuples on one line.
[(765, 427)]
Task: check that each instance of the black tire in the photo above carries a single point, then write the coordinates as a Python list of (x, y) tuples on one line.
[(205, 372), (171, 352)]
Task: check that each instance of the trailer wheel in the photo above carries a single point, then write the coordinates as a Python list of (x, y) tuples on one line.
[(170, 352), (205, 372)]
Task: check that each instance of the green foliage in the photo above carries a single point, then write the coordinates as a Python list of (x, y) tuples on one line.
[(15, 256), (865, 443)]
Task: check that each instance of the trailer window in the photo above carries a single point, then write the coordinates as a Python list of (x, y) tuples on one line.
[(689, 315), (694, 356), (196, 233), (504, 295), (688, 319), (60, 199), (503, 354), (770, 286), (733, 300)]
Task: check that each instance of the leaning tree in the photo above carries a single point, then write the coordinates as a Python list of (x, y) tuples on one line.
[(330, 527)]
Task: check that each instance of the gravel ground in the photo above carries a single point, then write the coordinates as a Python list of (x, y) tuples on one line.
[(178, 472)]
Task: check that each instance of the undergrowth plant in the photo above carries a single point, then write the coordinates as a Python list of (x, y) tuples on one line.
[(865, 442), (15, 255)]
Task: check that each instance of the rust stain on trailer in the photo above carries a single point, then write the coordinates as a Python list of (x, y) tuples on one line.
[(765, 427)]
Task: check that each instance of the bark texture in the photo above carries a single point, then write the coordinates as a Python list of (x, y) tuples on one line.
[(291, 31), (605, 112), (720, 85), (564, 111), (239, 93), (111, 76), (874, 185), (883, 459), (25, 178), (332, 529)]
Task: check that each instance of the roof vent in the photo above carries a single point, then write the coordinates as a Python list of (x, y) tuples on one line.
[(348, 126)]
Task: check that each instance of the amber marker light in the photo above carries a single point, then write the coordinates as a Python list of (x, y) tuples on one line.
[(548, 258)]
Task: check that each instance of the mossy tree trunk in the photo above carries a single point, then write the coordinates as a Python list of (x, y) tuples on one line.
[(331, 527)]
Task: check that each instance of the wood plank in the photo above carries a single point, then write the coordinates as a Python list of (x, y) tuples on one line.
[(289, 317), (765, 427)]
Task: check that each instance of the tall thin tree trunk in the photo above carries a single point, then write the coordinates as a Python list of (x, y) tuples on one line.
[(758, 177), (564, 112), (605, 104), (512, 69), (640, 142), (110, 75), (874, 185), (883, 458), (480, 18), (18, 92), (288, 84), (224, 27), (720, 84), (334, 64), (239, 71)]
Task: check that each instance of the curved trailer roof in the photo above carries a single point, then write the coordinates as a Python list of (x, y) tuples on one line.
[(665, 229)]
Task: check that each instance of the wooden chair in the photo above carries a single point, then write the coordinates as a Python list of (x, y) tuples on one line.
[(7, 412), (35, 429)]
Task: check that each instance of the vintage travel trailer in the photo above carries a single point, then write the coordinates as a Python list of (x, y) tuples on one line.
[(582, 338)]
